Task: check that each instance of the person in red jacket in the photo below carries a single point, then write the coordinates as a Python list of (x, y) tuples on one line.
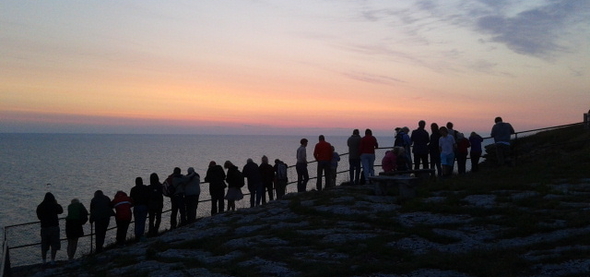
[(122, 204), (367, 151), (323, 155)]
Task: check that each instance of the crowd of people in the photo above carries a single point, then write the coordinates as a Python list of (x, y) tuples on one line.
[(440, 149), (437, 150), (145, 203)]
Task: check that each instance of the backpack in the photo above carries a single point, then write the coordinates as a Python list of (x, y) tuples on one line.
[(281, 171), (238, 177), (168, 188)]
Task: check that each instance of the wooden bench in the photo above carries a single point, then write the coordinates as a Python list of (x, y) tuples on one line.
[(406, 184)]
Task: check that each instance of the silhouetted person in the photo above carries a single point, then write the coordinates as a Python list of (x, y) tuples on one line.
[(447, 146), (389, 161), (452, 132), (420, 140), (122, 204), (462, 151), (301, 166), (334, 166), (434, 149), (101, 211), (177, 199), (47, 213), (140, 194), (501, 133), (235, 182), (281, 179), (77, 217), (155, 205), (252, 174), (216, 179), (192, 190), (323, 155), (354, 156), (402, 139), (367, 151), (475, 153), (267, 173)]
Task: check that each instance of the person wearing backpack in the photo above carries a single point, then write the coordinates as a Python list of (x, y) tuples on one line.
[(192, 190), (235, 182), (77, 217), (281, 179), (216, 178), (176, 179)]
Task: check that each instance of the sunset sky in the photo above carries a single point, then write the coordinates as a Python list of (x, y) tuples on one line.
[(291, 67)]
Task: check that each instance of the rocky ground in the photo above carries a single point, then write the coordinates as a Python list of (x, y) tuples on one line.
[(348, 231)]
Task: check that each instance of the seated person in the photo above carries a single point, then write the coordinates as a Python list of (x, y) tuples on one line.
[(389, 162)]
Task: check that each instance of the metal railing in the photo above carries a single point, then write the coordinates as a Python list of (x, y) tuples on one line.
[(25, 240)]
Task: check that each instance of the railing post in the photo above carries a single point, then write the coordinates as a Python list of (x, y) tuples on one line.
[(5, 270), (515, 149), (91, 238)]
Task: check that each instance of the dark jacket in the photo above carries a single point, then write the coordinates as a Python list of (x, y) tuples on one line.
[(156, 197), (234, 178), (354, 143), (267, 173), (215, 176), (434, 146), (48, 210), (420, 138), (100, 207), (77, 212), (140, 195), (252, 173)]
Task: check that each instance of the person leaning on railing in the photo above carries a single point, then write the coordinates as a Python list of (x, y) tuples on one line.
[(47, 213), (77, 217), (501, 133), (101, 211)]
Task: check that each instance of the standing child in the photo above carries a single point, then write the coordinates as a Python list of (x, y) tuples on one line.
[(334, 167)]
